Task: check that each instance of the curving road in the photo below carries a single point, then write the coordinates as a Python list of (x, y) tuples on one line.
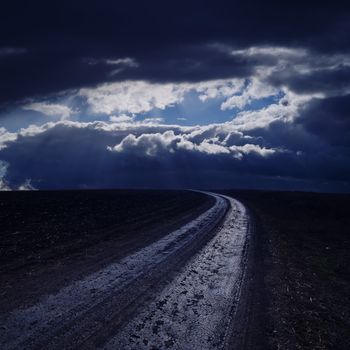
[(180, 292)]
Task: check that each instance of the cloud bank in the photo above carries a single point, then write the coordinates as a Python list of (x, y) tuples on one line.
[(175, 95), (257, 149)]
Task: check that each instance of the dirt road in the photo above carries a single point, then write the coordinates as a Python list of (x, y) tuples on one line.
[(180, 292)]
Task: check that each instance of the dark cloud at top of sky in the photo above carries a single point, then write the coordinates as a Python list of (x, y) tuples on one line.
[(50, 42)]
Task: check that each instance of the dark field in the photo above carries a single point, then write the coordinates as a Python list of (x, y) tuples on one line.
[(299, 297), (50, 238), (304, 239)]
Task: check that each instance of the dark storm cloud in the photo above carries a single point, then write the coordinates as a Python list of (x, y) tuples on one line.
[(168, 40), (329, 119), (329, 81)]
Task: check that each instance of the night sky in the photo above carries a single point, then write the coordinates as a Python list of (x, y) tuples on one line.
[(175, 94)]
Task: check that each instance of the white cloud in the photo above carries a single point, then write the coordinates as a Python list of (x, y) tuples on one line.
[(132, 97), (211, 148), (252, 148), (218, 88), (6, 136), (277, 51), (127, 61), (121, 64), (237, 101), (123, 118), (52, 110), (149, 144), (126, 119), (286, 109), (255, 90), (249, 120), (154, 120), (140, 96), (155, 144)]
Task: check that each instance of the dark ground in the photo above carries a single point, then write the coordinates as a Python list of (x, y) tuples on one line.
[(50, 238), (303, 242), (301, 274)]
